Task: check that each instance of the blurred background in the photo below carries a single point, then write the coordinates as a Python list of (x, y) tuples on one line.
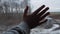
[(11, 11)]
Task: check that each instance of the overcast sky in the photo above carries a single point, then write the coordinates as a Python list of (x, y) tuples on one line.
[(53, 4)]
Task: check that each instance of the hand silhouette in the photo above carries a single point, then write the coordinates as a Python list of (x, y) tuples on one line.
[(36, 17)]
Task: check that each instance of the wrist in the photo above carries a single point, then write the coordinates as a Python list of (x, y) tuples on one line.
[(29, 24)]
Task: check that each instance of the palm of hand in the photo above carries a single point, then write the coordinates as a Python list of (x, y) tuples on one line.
[(35, 18)]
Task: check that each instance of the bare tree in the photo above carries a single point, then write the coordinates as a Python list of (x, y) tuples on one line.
[(1, 9), (6, 5)]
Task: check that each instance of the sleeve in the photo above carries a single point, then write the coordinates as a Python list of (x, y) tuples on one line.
[(22, 28)]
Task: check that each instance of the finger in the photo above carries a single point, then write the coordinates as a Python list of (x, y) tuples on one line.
[(25, 11), (43, 22), (42, 12), (44, 15), (39, 9)]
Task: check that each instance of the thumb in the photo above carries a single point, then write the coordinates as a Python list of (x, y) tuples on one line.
[(25, 11)]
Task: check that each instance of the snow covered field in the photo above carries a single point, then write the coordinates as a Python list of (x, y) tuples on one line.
[(33, 31)]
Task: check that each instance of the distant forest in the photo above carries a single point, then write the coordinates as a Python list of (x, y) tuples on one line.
[(12, 6)]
